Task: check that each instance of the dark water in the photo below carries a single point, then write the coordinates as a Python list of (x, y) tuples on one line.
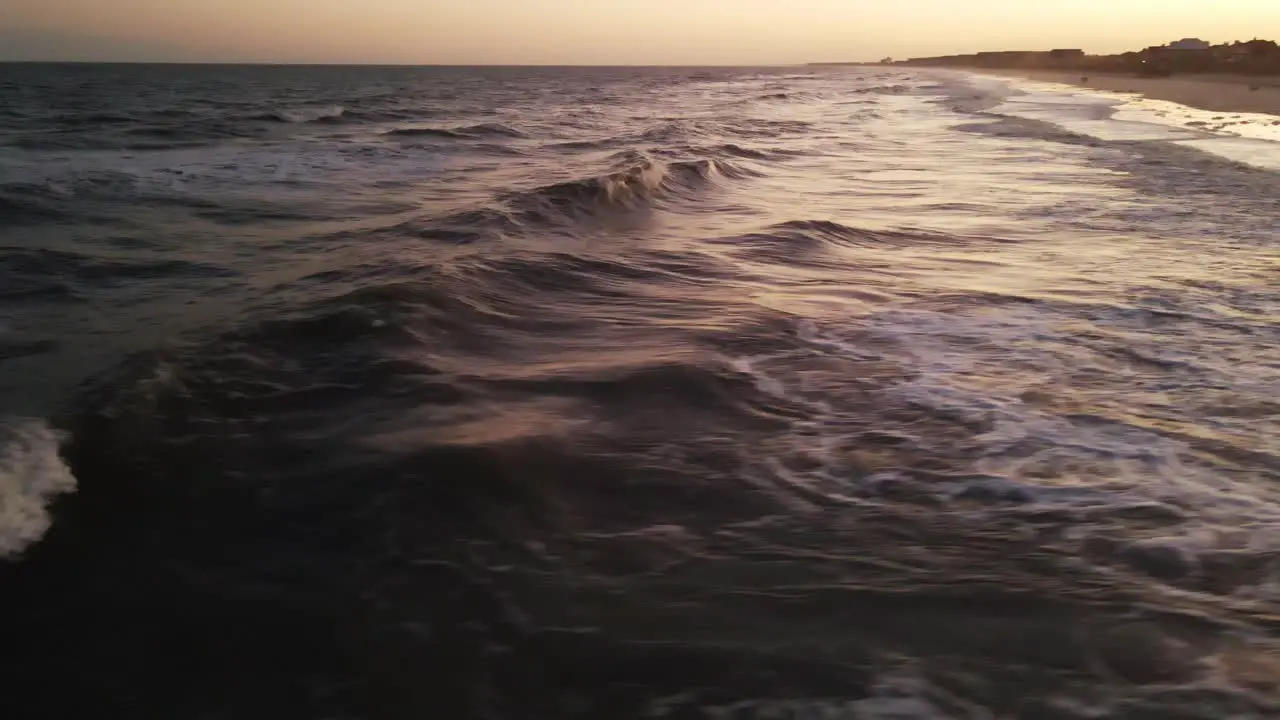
[(630, 393)]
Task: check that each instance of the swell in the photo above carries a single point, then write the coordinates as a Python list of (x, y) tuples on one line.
[(555, 479), (883, 90), (466, 132), (773, 154), (97, 119), (640, 185), (23, 204), (14, 349), (111, 198), (322, 468), (372, 483), (388, 376), (1013, 127), (791, 95), (166, 128), (137, 136), (60, 272), (301, 115), (210, 130), (724, 133), (794, 240), (739, 127), (679, 150), (173, 128)]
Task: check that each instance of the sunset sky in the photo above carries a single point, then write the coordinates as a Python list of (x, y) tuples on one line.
[(623, 32)]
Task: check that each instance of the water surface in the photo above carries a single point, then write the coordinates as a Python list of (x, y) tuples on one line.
[(628, 393)]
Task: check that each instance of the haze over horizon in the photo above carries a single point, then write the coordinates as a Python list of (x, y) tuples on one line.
[(586, 32)]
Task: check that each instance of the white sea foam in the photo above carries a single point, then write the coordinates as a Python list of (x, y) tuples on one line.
[(1249, 138), (957, 360), (1258, 153), (32, 474), (1256, 126), (957, 365), (302, 115)]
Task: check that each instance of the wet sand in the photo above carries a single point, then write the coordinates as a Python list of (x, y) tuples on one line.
[(1222, 93)]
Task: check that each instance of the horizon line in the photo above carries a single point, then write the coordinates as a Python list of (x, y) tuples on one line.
[(276, 63)]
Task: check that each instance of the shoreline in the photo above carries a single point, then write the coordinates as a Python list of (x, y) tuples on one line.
[(1216, 93)]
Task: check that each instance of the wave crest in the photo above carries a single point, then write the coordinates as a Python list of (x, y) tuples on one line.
[(31, 474), (634, 187), (466, 132), (301, 115)]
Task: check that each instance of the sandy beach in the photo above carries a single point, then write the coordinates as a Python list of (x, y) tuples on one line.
[(1222, 93)]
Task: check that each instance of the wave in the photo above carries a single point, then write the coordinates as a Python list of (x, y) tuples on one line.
[(732, 150), (482, 130), (96, 119), (681, 130), (528, 458), (669, 134), (54, 140), (634, 187), (473, 432), (72, 142), (388, 114), (32, 474), (764, 129), (23, 204), (163, 135), (298, 115), (167, 128), (1012, 127), (839, 233), (883, 90), (675, 149), (789, 95), (18, 263), (196, 132), (806, 241), (638, 183), (13, 349), (463, 227), (708, 134), (425, 132)]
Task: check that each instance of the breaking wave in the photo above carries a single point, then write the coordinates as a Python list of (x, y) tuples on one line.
[(304, 114), (32, 475), (632, 188)]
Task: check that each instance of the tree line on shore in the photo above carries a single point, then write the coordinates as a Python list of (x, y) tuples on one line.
[(1253, 57)]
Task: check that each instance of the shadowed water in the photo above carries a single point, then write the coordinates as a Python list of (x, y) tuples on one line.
[(629, 393)]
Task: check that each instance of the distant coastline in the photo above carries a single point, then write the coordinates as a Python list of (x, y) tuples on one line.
[(1241, 77), (1186, 56)]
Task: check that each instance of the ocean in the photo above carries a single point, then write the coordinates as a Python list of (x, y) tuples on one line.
[(559, 393)]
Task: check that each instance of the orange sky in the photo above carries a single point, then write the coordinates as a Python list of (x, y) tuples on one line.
[(603, 31)]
